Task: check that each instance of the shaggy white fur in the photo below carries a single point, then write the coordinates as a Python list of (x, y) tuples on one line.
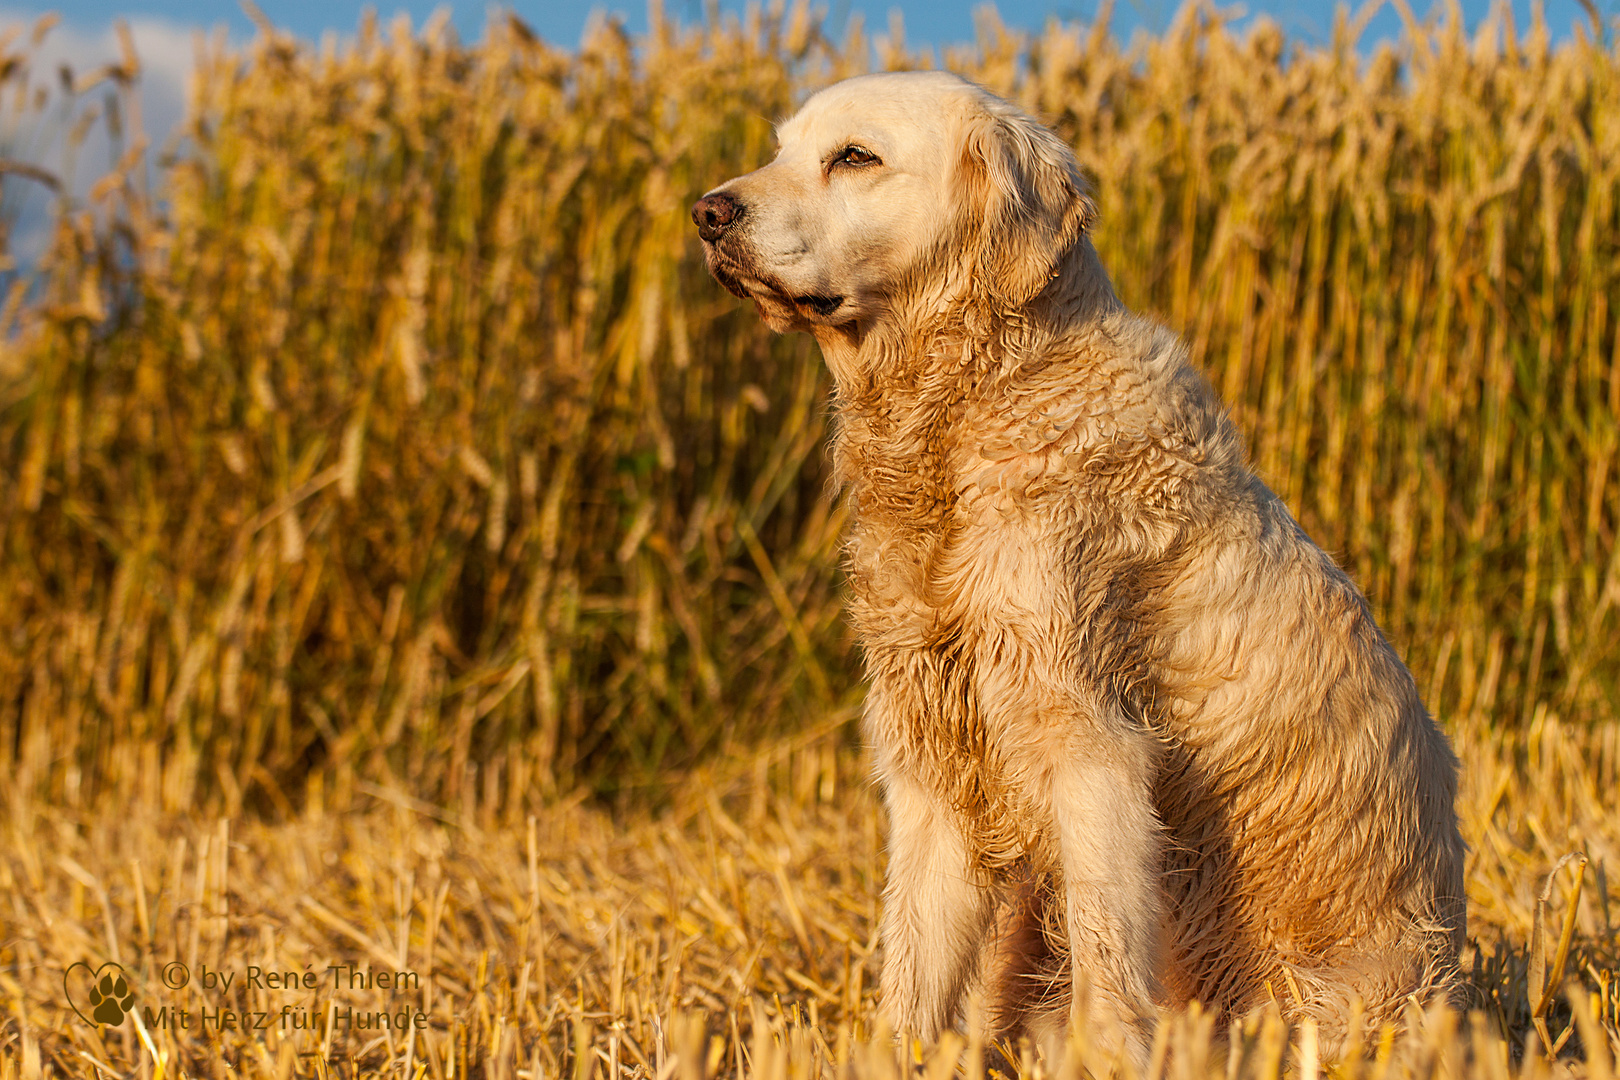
[(1134, 729)]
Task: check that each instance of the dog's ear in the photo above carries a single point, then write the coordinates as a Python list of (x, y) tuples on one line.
[(1024, 204)]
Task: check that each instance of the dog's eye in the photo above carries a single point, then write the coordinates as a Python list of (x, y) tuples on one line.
[(857, 156)]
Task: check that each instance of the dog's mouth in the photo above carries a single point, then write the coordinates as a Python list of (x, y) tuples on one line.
[(821, 305), (727, 277), (747, 283), (739, 280)]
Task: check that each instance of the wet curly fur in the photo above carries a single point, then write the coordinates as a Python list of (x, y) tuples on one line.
[(1134, 729)]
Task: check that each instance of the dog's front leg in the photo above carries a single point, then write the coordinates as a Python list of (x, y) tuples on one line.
[(1110, 849), (935, 911)]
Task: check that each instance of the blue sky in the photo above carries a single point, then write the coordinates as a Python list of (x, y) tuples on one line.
[(561, 21)]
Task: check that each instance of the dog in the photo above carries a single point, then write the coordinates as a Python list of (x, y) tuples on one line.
[(1133, 728)]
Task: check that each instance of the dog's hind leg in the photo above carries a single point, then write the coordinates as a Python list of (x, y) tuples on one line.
[(1019, 972), (1023, 976), (936, 911)]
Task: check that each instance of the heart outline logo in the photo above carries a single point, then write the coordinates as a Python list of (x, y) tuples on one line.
[(112, 998)]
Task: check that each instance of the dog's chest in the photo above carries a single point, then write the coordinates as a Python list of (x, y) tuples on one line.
[(940, 536), (957, 590), (963, 510), (982, 583)]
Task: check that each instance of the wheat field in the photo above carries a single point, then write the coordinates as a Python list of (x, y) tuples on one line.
[(412, 563)]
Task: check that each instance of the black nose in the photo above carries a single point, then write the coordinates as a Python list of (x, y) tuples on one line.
[(713, 214)]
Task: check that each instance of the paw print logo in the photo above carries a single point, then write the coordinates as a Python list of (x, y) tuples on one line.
[(109, 997)]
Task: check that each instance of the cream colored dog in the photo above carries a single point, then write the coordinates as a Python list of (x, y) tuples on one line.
[(1133, 727)]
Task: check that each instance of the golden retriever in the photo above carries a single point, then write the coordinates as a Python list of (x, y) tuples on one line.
[(1133, 728)]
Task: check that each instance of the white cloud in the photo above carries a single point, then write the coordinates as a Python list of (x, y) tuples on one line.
[(167, 53)]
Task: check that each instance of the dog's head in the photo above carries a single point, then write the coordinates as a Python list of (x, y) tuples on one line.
[(917, 182)]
